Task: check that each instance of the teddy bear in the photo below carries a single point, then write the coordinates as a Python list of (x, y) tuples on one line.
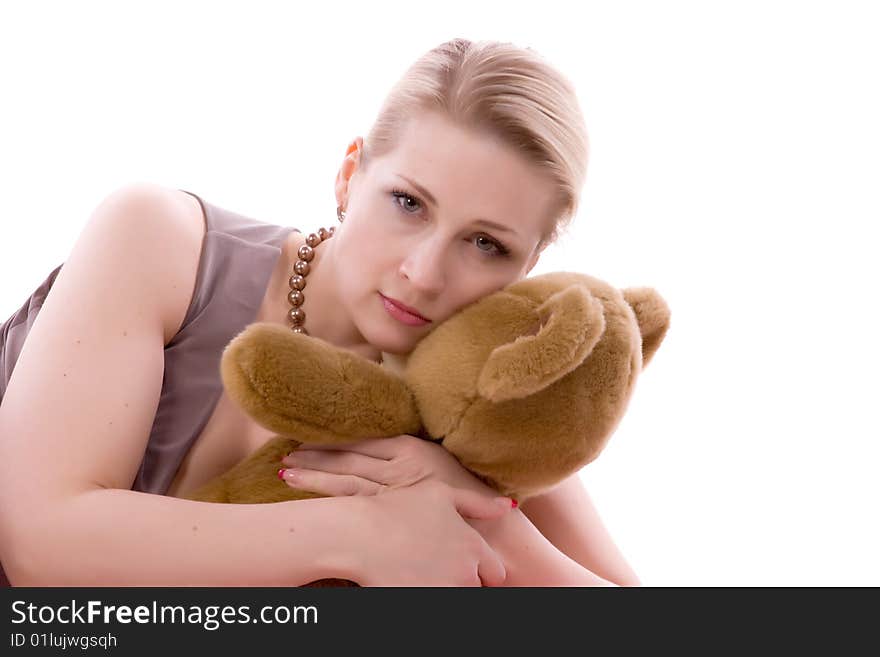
[(524, 386)]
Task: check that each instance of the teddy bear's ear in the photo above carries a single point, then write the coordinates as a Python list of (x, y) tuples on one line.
[(652, 315), (572, 322)]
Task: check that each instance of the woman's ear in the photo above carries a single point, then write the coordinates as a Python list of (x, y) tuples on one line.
[(533, 260), (350, 164)]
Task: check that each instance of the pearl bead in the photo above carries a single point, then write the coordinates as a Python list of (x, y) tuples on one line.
[(306, 253), (297, 282), (297, 315), (301, 267), (296, 298), (323, 234), (313, 240)]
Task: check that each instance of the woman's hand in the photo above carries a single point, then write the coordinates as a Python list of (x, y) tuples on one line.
[(420, 536), (373, 465)]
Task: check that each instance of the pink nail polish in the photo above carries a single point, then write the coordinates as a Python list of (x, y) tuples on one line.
[(281, 473)]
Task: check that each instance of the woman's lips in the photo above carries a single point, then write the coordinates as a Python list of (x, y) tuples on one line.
[(401, 314)]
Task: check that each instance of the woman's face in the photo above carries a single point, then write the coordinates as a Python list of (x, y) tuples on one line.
[(446, 218)]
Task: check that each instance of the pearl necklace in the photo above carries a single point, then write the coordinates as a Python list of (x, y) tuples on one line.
[(296, 315)]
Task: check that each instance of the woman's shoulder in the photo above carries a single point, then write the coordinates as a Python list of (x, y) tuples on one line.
[(175, 214), (187, 226), (176, 229)]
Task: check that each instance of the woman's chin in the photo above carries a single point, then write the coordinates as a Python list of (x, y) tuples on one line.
[(399, 342), (394, 348)]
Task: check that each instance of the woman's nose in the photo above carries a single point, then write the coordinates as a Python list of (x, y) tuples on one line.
[(423, 266)]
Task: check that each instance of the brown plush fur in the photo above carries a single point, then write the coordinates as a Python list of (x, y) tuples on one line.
[(524, 386)]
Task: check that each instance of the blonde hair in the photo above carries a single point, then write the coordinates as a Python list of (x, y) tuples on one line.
[(503, 90)]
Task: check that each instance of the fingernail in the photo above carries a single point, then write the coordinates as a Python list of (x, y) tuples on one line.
[(287, 474), (513, 503)]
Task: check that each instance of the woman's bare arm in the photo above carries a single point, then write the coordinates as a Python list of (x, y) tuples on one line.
[(532, 560), (107, 537), (568, 518), (558, 540), (77, 414)]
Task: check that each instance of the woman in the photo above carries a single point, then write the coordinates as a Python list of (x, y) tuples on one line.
[(470, 170)]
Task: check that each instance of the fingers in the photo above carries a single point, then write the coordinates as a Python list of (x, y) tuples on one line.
[(331, 485), (341, 463), (491, 568), (471, 504), (380, 448)]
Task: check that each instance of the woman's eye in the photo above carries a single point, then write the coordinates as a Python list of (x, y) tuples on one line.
[(486, 242), (400, 194), (493, 247)]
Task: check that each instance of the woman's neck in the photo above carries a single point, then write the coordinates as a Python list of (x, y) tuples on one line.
[(325, 317)]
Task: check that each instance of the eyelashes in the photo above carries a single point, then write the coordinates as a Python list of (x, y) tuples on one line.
[(501, 250), (400, 194)]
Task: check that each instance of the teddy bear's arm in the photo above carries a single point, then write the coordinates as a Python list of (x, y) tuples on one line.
[(309, 390)]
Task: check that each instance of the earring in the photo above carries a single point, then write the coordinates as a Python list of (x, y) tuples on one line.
[(340, 214)]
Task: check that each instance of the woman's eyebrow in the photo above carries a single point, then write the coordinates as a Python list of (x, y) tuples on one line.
[(430, 198), (421, 190)]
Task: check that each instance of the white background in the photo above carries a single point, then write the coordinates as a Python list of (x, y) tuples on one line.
[(734, 167)]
